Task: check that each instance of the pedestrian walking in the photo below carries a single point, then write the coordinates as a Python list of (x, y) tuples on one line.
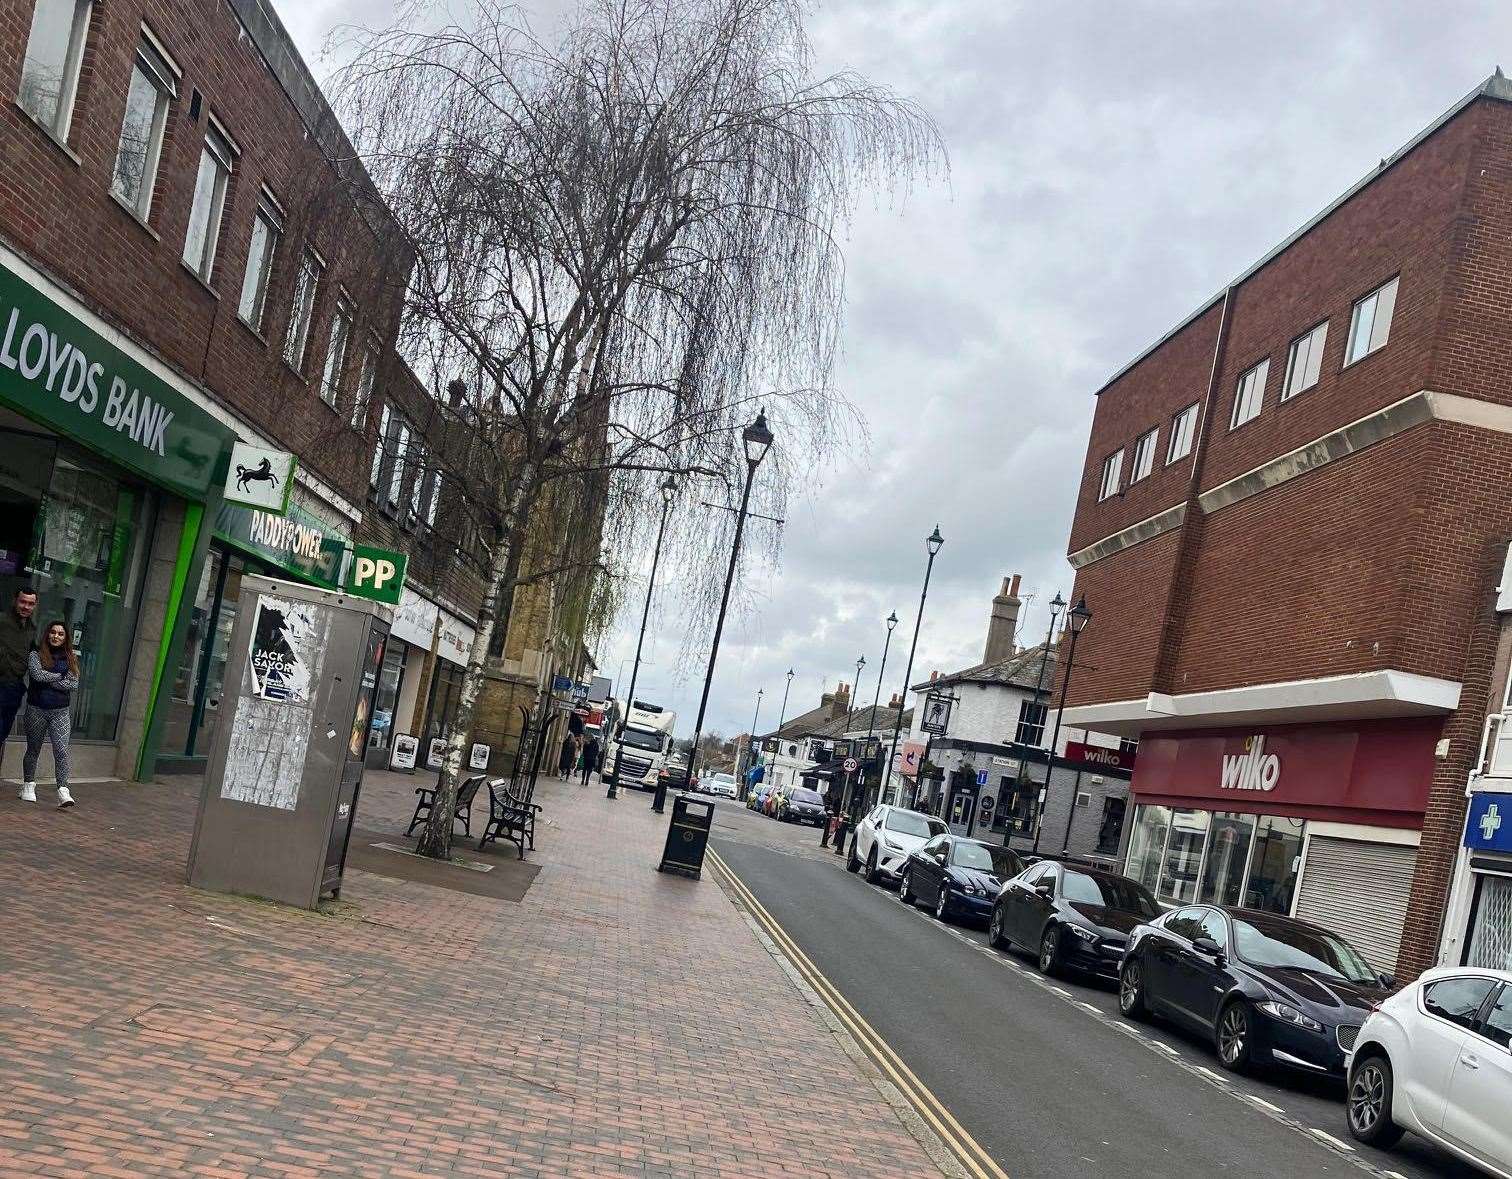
[(568, 757), (590, 757), (17, 633), (53, 672)]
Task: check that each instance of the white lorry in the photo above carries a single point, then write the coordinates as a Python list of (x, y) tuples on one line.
[(640, 746)]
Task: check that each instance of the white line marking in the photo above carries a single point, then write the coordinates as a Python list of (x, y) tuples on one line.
[(1088, 1007), (1262, 1103), (1166, 1048), (1062, 992), (1330, 1139), (1211, 1075)]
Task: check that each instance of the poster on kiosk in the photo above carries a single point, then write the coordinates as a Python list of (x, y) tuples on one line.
[(284, 771)]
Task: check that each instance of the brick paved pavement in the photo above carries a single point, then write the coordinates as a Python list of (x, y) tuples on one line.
[(599, 1027)]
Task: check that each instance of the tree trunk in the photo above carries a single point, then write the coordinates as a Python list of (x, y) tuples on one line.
[(503, 570)]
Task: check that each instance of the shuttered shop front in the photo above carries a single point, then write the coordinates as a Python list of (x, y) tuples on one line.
[(1359, 890)]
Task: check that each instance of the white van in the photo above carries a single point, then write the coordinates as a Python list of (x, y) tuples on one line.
[(640, 747)]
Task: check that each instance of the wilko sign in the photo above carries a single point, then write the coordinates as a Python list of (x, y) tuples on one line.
[(1095, 755), (1254, 769)]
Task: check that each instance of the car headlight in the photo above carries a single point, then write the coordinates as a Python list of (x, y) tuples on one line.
[(1288, 1014), (973, 889), (1086, 935), (888, 844)]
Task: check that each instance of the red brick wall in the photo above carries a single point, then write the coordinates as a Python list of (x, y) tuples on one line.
[(56, 209)]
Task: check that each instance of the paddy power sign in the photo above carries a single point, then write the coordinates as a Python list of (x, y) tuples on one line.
[(60, 372)]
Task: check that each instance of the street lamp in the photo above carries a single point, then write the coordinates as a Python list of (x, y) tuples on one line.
[(751, 736), (781, 716), (757, 440), (933, 543), (847, 806), (1076, 621), (1057, 604), (855, 691), (668, 494)]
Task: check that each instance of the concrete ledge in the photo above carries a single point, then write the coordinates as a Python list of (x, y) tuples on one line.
[(1146, 529)]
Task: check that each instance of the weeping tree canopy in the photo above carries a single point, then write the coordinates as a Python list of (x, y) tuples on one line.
[(627, 239)]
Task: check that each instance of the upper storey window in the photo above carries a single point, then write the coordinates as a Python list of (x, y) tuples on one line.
[(1250, 394), (1370, 323)]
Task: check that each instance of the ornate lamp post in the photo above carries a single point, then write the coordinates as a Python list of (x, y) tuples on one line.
[(1076, 620), (1057, 604), (668, 494), (781, 716), (751, 736), (933, 543), (757, 440)]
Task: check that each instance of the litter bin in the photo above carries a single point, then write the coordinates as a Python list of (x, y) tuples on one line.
[(687, 835)]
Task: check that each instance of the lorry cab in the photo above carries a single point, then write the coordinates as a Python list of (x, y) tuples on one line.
[(640, 746)]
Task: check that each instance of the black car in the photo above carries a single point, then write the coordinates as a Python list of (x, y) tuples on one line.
[(1070, 917), (799, 805), (1267, 988), (959, 877)]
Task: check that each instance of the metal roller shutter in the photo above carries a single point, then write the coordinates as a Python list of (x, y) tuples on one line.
[(1358, 890)]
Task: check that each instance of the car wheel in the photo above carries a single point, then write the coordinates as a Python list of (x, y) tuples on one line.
[(905, 889), (1050, 951), (872, 875), (942, 904), (1234, 1037), (1131, 997), (851, 863), (995, 936), (1370, 1087)]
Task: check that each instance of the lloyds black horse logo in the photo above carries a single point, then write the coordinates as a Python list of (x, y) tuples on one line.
[(262, 473)]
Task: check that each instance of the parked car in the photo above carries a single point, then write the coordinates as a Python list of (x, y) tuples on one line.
[(1070, 917), (959, 877), (769, 803), (1268, 989), (801, 805), (756, 799), (675, 775), (1436, 1059), (721, 785), (886, 837)]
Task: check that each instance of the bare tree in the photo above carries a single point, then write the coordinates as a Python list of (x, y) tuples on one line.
[(626, 243)]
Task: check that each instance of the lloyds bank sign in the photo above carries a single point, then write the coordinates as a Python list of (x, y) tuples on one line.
[(60, 372)]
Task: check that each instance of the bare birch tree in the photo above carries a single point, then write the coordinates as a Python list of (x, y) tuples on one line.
[(626, 241)]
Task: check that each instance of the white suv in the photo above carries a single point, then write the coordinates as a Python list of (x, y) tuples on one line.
[(887, 837)]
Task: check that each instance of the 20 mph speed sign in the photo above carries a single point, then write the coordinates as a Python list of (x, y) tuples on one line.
[(851, 765)]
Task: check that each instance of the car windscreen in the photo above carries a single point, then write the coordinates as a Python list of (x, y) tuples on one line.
[(1302, 949), (641, 739), (997, 860), (912, 823), (806, 796), (1109, 892)]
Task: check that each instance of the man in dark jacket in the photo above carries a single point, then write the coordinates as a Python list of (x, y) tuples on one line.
[(17, 634)]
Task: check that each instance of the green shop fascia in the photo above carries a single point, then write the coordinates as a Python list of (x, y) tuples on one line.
[(81, 397)]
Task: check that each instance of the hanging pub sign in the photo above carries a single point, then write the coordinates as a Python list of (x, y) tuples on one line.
[(936, 714)]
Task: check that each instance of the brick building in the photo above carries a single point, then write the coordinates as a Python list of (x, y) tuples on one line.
[(190, 258), (1289, 530)]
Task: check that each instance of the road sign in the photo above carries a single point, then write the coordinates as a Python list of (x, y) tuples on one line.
[(376, 574), (851, 765), (981, 777), (987, 804)]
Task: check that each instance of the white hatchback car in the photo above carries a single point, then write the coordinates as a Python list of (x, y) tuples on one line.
[(722, 785), (887, 837), (1436, 1059)]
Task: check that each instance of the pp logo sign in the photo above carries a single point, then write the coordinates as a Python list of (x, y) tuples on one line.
[(376, 574)]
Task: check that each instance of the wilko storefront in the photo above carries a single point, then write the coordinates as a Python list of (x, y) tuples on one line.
[(1319, 821)]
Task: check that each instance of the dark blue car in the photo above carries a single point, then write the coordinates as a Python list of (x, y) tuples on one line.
[(958, 877)]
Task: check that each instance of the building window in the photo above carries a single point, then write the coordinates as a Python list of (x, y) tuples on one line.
[(336, 350), (417, 485), (209, 202), (365, 381), (1370, 323), (1112, 472), (1305, 361), (378, 449), (50, 71), (267, 228), (435, 498), (1250, 394), (401, 436), (305, 287), (1183, 426), (1128, 746), (1144, 455), (1031, 723), (154, 83)]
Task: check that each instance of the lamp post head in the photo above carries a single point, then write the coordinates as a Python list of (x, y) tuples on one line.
[(1057, 604), (934, 541), (892, 621), (1079, 616), (757, 439), (668, 490), (790, 673)]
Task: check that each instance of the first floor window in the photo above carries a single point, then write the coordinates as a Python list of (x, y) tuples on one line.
[(1370, 322), (1031, 723), (154, 83), (267, 228), (1250, 394), (303, 309), (365, 381), (1144, 455), (336, 350), (1112, 473), (50, 69), (1305, 361), (209, 203), (1183, 428), (378, 450)]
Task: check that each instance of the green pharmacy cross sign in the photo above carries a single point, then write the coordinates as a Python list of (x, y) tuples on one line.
[(376, 574)]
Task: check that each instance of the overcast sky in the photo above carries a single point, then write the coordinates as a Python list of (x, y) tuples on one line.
[(1113, 165)]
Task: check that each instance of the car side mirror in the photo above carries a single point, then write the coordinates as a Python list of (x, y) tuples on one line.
[(1387, 981), (1206, 945)]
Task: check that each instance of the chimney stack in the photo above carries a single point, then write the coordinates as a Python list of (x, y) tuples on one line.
[(1000, 630), (896, 701), (839, 703)]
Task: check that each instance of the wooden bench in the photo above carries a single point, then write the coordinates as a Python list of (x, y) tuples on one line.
[(465, 795), (511, 815)]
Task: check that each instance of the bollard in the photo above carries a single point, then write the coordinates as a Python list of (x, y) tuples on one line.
[(829, 830), (840, 826), (659, 799)]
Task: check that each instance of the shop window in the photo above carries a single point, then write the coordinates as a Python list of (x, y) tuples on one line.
[(1183, 856), (217, 158), (445, 695), (303, 309), (1228, 849), (390, 678), (154, 84), (1274, 864), (1491, 924), (1031, 723), (1147, 844), (267, 228), (79, 534), (50, 70)]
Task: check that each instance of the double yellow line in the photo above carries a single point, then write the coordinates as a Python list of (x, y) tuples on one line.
[(966, 1148)]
